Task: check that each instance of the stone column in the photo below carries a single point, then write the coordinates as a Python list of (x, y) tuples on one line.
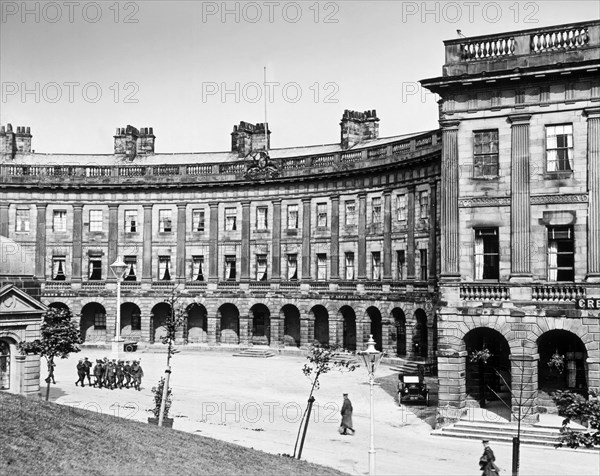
[(430, 337), (211, 329), (452, 392), (520, 211), (335, 238), (593, 160), (593, 374), (306, 215), (213, 246), (4, 219), (145, 324), (432, 244), (339, 323), (305, 338), (524, 383), (245, 323), (410, 233), (276, 242), (245, 257), (449, 202), (362, 236), (181, 227), (40, 242), (147, 247), (76, 258), (276, 331), (387, 235)]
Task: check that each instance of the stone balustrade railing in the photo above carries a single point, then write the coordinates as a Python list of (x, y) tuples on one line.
[(484, 292), (560, 39), (491, 48), (558, 292)]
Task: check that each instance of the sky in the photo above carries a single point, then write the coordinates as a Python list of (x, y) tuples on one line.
[(74, 71)]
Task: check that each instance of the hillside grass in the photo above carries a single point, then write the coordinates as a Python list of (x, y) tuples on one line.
[(38, 437)]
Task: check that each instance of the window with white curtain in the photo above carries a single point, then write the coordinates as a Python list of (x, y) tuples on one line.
[(164, 221), (131, 271), (198, 220), (321, 214), (349, 258), (261, 218), (559, 148), (487, 257), (401, 207), (261, 267), (59, 220), (292, 216), (22, 222), (321, 267), (292, 267), (95, 268), (561, 253), (230, 271), (58, 268), (350, 212), (164, 268), (130, 221), (376, 265), (95, 220), (230, 219), (197, 268)]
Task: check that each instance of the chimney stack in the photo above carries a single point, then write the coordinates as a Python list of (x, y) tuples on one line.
[(357, 127), (247, 138), (12, 143)]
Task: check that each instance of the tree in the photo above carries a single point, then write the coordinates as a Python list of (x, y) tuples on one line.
[(574, 406), (60, 337), (322, 359)]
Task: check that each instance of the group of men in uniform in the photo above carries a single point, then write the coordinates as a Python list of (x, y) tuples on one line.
[(110, 374)]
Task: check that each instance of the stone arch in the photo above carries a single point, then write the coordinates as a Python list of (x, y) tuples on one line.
[(92, 325), (419, 339), (399, 318), (59, 305), (558, 345), (229, 324), (158, 319), (197, 324), (261, 324), (349, 335), (131, 321), (321, 324), (376, 329), (290, 315)]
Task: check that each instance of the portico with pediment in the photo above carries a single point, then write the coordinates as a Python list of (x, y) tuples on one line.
[(20, 319)]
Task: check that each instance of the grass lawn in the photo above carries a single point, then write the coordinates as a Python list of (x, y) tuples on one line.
[(37, 437)]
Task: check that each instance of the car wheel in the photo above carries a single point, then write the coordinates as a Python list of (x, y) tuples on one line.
[(427, 399)]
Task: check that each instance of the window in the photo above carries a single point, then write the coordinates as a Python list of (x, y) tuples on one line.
[(321, 214), (376, 210), (100, 319), (22, 222), (4, 365), (95, 268), (95, 220), (230, 219), (423, 265), (485, 153), (561, 254), (230, 271), (136, 321), (487, 258), (350, 212), (401, 207), (424, 204), (400, 264), (292, 217), (131, 271), (349, 265), (197, 268), (197, 220), (261, 218), (376, 265), (164, 268), (292, 267), (164, 221), (261, 267), (58, 268), (559, 148), (130, 221), (321, 267), (59, 221)]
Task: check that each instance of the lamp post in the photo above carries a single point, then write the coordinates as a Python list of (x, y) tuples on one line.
[(118, 268), (371, 359)]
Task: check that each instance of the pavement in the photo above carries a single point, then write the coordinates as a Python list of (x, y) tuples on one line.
[(258, 403)]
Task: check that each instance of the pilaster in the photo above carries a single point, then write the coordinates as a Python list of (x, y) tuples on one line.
[(276, 241), (245, 256), (335, 238), (211, 330), (432, 243), (40, 242), (213, 246), (147, 247), (593, 161), (410, 233), (387, 235), (4, 219), (362, 236), (181, 227), (113, 237), (306, 215), (452, 390), (524, 383), (76, 262)]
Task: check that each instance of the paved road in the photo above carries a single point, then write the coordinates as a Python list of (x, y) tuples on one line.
[(258, 402)]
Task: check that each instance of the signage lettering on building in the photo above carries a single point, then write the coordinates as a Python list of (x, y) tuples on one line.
[(588, 303)]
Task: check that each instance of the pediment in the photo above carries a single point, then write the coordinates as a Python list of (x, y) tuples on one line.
[(14, 302)]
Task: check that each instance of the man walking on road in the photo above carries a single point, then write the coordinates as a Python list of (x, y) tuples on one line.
[(486, 461), (347, 416)]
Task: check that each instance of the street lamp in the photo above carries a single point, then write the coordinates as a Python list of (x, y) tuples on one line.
[(118, 268), (371, 359)]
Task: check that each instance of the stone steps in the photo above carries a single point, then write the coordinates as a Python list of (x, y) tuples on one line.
[(256, 353)]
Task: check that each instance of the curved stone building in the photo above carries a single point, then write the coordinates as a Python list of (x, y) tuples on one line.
[(277, 247)]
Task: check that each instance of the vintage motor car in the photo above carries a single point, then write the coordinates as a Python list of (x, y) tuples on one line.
[(412, 388)]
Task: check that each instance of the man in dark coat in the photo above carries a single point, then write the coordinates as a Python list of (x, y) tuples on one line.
[(98, 373), (127, 373), (136, 373), (120, 373), (486, 461), (347, 416), (80, 373), (88, 366)]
